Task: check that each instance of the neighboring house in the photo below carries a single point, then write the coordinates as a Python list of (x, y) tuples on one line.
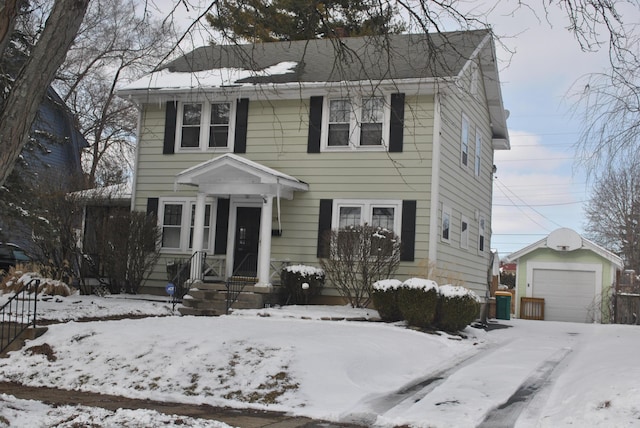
[(573, 275), (53, 153), (251, 153)]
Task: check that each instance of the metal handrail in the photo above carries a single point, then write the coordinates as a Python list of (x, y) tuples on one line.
[(235, 284), (180, 278), (12, 313)]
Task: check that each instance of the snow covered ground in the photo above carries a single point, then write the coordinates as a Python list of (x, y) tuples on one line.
[(295, 360)]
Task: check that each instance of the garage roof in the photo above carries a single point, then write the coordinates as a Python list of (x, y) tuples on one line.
[(564, 240)]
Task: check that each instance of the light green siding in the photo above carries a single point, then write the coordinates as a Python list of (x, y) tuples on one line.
[(462, 190), (277, 138)]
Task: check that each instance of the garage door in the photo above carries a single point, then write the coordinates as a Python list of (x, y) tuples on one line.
[(568, 295)]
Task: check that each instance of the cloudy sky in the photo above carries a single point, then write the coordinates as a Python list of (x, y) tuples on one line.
[(539, 187)]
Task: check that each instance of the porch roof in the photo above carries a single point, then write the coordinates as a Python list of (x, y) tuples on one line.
[(231, 174)]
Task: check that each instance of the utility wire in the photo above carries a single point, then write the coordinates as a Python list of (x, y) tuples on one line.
[(503, 188)]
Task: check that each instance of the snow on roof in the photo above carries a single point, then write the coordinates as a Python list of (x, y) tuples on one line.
[(214, 78)]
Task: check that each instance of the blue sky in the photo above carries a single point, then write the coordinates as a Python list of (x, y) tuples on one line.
[(538, 187)]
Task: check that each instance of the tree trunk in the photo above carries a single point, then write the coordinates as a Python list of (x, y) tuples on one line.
[(30, 87)]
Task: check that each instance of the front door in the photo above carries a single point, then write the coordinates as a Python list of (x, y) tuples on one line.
[(245, 255)]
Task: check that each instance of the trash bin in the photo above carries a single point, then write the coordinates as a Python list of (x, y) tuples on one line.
[(503, 305)]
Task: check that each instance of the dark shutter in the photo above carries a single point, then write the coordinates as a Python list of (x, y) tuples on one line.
[(152, 206), (324, 226), (222, 227), (315, 125), (396, 128), (170, 128), (242, 114), (408, 227)]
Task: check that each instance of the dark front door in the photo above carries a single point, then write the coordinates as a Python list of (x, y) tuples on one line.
[(245, 256)]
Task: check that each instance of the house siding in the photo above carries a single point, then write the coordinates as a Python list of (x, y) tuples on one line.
[(277, 138), (462, 190)]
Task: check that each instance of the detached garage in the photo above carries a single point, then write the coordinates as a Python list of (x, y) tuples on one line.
[(572, 274)]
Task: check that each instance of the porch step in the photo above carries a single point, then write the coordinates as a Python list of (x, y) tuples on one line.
[(213, 303), (28, 334)]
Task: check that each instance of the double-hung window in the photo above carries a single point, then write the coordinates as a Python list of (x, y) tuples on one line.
[(478, 152), (464, 232), (464, 142), (382, 215), (481, 233), (178, 217), (356, 123), (445, 233), (205, 126)]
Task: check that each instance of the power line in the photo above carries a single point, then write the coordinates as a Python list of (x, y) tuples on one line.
[(503, 188)]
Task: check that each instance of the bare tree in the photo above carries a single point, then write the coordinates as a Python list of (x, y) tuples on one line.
[(613, 212), (117, 42), (358, 257), (20, 103)]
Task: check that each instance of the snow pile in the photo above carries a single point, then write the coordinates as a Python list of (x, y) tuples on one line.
[(304, 270), (420, 283), (387, 284), (457, 291), (375, 374)]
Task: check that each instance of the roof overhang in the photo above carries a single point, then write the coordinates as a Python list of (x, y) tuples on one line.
[(231, 174)]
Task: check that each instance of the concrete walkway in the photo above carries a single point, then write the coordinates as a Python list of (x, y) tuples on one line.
[(243, 418)]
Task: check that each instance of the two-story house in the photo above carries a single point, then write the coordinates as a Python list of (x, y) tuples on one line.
[(251, 152)]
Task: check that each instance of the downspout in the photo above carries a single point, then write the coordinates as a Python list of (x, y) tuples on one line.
[(435, 180), (136, 158)]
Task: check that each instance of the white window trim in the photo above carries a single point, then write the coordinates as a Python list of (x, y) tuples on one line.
[(482, 233), (367, 211), (185, 224), (446, 212), (465, 121), (205, 122), (354, 128), (478, 153), (464, 234)]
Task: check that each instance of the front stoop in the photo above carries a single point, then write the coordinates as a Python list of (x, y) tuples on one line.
[(28, 334), (209, 299)]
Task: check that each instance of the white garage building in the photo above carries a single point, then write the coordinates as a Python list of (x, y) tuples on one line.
[(572, 274)]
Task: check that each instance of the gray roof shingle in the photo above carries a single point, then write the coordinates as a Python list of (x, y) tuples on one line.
[(400, 56)]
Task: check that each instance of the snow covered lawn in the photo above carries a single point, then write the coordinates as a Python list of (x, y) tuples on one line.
[(294, 360)]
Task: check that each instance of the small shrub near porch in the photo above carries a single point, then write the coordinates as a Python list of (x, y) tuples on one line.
[(293, 279)]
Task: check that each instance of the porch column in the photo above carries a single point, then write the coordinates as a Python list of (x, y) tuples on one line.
[(198, 233), (264, 252)]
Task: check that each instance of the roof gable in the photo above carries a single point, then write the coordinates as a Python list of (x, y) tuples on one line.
[(565, 240)]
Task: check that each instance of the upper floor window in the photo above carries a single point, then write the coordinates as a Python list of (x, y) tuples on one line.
[(478, 152), (464, 142), (356, 123), (205, 126)]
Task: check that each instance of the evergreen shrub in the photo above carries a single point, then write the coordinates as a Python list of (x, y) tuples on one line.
[(457, 308), (384, 295), (293, 277), (418, 301)]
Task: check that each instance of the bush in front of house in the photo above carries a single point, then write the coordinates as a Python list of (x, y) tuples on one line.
[(384, 295), (293, 279), (418, 301), (16, 279), (457, 308)]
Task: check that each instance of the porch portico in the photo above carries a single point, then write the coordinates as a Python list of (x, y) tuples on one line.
[(232, 177)]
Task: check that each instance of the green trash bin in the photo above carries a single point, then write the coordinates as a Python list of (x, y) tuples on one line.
[(503, 305)]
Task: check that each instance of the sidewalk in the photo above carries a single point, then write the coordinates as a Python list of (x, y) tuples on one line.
[(243, 418)]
